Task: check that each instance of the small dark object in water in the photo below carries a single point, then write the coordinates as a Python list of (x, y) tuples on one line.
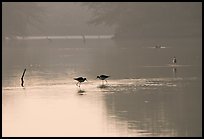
[(81, 92), (102, 86), (22, 82), (174, 60), (158, 46)]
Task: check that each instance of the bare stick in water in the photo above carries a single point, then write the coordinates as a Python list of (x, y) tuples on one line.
[(22, 78)]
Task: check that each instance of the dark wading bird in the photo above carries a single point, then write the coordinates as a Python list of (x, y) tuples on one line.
[(174, 60), (103, 77), (80, 80)]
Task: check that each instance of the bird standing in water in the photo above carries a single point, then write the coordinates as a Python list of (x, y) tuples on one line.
[(103, 77), (80, 80), (174, 60)]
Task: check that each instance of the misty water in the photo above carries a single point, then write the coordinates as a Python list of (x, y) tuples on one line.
[(145, 95)]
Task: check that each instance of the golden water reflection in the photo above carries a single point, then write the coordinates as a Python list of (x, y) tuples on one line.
[(115, 110)]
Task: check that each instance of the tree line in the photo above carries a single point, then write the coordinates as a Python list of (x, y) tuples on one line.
[(16, 16), (148, 19)]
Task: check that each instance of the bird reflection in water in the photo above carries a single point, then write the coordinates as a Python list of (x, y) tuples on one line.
[(103, 86), (81, 92), (174, 72)]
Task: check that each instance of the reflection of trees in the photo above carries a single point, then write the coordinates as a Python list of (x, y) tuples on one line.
[(146, 19), (17, 16), (162, 114)]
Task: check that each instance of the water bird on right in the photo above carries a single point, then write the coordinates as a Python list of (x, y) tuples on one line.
[(174, 60), (103, 77)]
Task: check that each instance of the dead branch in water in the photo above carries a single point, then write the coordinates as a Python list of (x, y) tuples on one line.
[(22, 78)]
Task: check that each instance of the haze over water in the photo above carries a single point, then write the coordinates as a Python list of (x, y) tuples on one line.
[(146, 95), (143, 97)]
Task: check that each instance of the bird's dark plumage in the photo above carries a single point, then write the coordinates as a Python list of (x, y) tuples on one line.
[(103, 77), (174, 60), (80, 80)]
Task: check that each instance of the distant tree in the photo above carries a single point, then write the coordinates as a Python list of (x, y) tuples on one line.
[(139, 19), (16, 16)]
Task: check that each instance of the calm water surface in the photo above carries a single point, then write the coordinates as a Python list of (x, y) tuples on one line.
[(145, 95)]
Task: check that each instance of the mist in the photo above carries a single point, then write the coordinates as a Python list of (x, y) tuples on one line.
[(142, 62)]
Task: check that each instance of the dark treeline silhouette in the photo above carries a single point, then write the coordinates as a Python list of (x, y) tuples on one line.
[(146, 19), (16, 16)]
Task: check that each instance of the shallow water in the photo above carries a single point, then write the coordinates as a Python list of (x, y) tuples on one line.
[(145, 95)]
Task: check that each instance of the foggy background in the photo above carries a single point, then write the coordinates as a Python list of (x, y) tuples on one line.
[(145, 96), (135, 19), (133, 24), (48, 18)]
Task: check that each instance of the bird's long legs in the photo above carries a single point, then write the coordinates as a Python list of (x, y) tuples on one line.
[(78, 84), (103, 82)]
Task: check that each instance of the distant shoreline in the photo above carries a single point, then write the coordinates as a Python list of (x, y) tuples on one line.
[(60, 37)]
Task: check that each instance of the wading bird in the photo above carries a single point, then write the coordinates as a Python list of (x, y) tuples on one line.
[(103, 77), (80, 80), (174, 60)]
